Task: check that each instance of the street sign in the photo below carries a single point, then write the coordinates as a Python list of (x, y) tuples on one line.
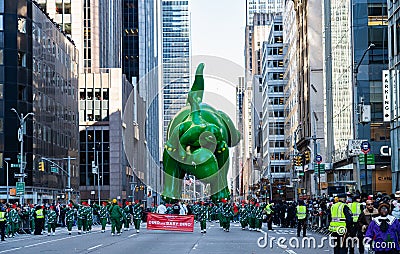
[(68, 190), (365, 147), (15, 165), (54, 169), (354, 146), (20, 175), (370, 159), (20, 186), (296, 180), (318, 158), (321, 167)]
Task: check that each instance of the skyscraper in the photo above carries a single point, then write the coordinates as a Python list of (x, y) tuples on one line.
[(176, 58)]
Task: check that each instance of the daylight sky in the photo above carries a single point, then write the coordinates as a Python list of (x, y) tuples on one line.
[(218, 28)]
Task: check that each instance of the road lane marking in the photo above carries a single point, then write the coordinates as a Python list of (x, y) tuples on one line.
[(290, 251), (131, 235), (194, 247), (4, 251), (94, 247)]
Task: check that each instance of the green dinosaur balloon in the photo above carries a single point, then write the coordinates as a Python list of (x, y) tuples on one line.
[(197, 143)]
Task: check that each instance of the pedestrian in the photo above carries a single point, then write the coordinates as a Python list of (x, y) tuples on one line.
[(161, 209), (363, 222), (3, 221), (115, 217), (39, 220), (340, 219), (384, 231), (70, 215), (202, 217), (137, 215), (301, 218), (51, 216)]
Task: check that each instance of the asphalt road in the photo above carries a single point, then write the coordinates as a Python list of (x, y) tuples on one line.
[(150, 241)]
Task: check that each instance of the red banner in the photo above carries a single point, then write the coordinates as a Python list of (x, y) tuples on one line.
[(171, 222)]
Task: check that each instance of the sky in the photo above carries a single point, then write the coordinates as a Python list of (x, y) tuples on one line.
[(218, 28)]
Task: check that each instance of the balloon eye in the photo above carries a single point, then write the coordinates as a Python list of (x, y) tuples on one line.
[(174, 149), (165, 146), (169, 149), (223, 149)]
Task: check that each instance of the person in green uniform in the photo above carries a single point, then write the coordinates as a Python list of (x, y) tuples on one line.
[(51, 216), (258, 216), (127, 215), (3, 221), (89, 218), (103, 214), (243, 215), (39, 220), (70, 218), (202, 217), (13, 219), (116, 216), (82, 217), (301, 213), (227, 213), (252, 215), (137, 215)]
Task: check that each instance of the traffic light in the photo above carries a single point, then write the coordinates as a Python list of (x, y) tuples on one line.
[(41, 166), (307, 156), (141, 187), (298, 160)]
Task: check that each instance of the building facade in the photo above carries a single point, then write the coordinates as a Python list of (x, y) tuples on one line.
[(176, 60), (362, 31), (39, 75)]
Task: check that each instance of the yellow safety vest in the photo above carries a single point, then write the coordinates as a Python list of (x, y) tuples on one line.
[(355, 209), (39, 214), (2, 216), (268, 209), (301, 212), (338, 217)]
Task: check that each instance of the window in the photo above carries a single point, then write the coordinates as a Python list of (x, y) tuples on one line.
[(1, 56), (1, 22), (22, 25), (1, 91), (1, 5), (21, 59), (59, 8)]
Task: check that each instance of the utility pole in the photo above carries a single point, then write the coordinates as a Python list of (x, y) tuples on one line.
[(21, 132)]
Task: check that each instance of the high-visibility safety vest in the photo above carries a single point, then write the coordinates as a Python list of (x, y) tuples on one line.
[(355, 208), (2, 216), (39, 214), (338, 217), (268, 209), (301, 212)]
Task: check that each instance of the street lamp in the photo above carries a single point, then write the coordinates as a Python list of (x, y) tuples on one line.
[(21, 139), (355, 99), (8, 192), (97, 172)]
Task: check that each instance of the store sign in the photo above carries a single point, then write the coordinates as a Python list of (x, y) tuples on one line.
[(170, 222), (386, 95), (386, 151)]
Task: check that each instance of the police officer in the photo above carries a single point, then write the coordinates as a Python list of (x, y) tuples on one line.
[(340, 219), (3, 219), (269, 211), (301, 213), (356, 209), (39, 220)]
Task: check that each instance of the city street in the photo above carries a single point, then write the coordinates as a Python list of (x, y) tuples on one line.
[(149, 241)]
